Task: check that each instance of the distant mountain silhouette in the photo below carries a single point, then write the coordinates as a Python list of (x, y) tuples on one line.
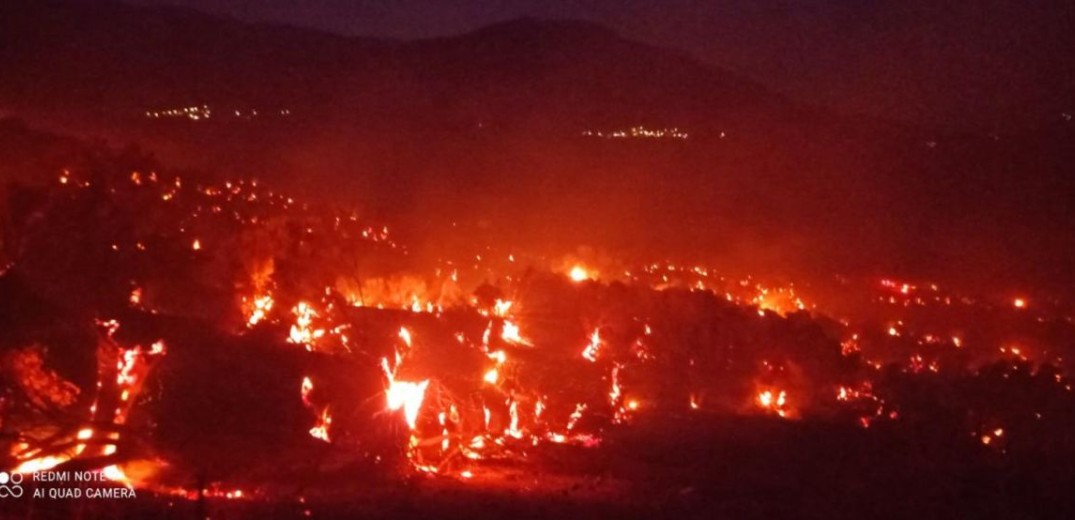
[(108, 58), (489, 127)]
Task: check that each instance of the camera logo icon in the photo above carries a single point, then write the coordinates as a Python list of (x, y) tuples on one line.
[(10, 485)]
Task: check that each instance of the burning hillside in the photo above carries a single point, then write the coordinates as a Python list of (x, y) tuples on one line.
[(627, 265), (195, 340)]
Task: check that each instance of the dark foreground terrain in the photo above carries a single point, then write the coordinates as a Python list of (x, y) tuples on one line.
[(708, 467)]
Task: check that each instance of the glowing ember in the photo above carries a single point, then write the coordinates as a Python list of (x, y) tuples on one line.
[(501, 307), (320, 430), (261, 307), (305, 389), (615, 395), (774, 401), (513, 428), (510, 333), (575, 416), (302, 332), (499, 356), (136, 297)]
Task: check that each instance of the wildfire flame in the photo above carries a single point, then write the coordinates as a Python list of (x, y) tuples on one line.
[(404, 395), (131, 366), (774, 401), (320, 430), (407, 396), (261, 307), (502, 393), (579, 273), (590, 352), (323, 419), (302, 332), (510, 334)]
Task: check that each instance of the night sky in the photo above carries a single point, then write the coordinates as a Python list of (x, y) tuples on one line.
[(950, 63)]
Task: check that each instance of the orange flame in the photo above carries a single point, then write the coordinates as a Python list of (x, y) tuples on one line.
[(579, 273), (590, 352), (404, 395)]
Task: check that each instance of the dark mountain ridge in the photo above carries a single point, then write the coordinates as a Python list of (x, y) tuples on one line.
[(488, 128), (110, 57)]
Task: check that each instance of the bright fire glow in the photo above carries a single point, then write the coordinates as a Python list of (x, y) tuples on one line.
[(305, 389), (404, 395), (579, 274), (40, 464), (501, 307), (774, 401), (324, 420), (302, 332), (408, 397), (320, 430), (261, 308), (510, 333), (590, 352)]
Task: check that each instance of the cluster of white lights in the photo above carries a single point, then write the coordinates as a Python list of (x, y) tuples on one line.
[(202, 112), (193, 113), (640, 132)]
